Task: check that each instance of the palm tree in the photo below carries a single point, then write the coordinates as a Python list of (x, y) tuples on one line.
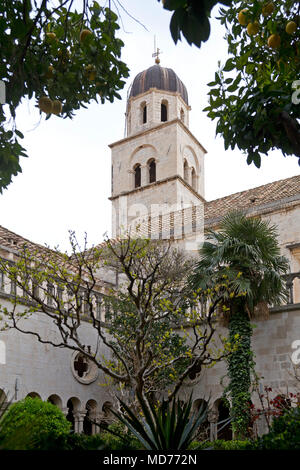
[(245, 252)]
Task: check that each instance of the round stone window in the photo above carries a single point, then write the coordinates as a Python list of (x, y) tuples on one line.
[(83, 369)]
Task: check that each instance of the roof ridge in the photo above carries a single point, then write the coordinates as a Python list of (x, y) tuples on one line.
[(19, 236), (255, 188)]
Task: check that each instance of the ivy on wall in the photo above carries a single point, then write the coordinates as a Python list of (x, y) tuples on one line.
[(240, 364)]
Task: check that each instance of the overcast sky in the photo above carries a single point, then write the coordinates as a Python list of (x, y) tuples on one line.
[(65, 182)]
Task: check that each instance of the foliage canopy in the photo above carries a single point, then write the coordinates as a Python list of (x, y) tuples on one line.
[(255, 95), (49, 49)]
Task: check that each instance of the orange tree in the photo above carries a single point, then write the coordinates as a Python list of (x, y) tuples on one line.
[(255, 95), (62, 57)]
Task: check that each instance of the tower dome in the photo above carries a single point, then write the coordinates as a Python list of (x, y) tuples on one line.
[(158, 77)]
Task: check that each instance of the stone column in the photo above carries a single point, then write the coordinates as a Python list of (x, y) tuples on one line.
[(79, 418), (213, 416), (189, 172), (144, 175), (93, 418)]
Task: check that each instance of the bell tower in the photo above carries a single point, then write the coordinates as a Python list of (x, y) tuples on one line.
[(158, 168)]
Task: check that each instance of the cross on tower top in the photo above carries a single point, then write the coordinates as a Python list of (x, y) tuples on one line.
[(156, 55)]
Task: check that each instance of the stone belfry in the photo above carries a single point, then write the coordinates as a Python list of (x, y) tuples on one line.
[(158, 168)]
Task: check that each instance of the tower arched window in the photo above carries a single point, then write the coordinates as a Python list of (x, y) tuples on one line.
[(152, 171), (144, 112), (186, 171), (164, 111), (194, 179), (137, 176)]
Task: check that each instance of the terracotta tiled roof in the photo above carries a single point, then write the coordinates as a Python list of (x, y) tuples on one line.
[(253, 198), (256, 198), (10, 239)]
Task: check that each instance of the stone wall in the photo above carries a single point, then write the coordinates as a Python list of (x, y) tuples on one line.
[(46, 371)]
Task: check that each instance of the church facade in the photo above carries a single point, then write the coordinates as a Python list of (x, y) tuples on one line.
[(158, 192)]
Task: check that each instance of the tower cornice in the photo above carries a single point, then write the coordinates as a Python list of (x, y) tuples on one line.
[(155, 128), (162, 92), (157, 183)]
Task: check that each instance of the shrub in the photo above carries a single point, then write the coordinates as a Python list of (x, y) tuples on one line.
[(32, 424), (231, 445), (284, 433), (83, 442), (198, 445), (221, 445)]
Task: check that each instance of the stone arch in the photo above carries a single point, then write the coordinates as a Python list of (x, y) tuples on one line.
[(55, 400), (142, 154), (164, 110), (198, 403), (73, 407), (192, 158), (106, 407), (106, 415), (90, 417), (33, 395), (151, 165)]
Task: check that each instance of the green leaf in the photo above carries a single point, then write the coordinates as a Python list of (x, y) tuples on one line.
[(229, 65)]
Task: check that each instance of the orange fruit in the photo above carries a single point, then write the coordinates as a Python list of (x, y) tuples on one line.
[(274, 41), (291, 27), (45, 104), (49, 73), (84, 33), (268, 9), (253, 28), (56, 107), (242, 18)]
